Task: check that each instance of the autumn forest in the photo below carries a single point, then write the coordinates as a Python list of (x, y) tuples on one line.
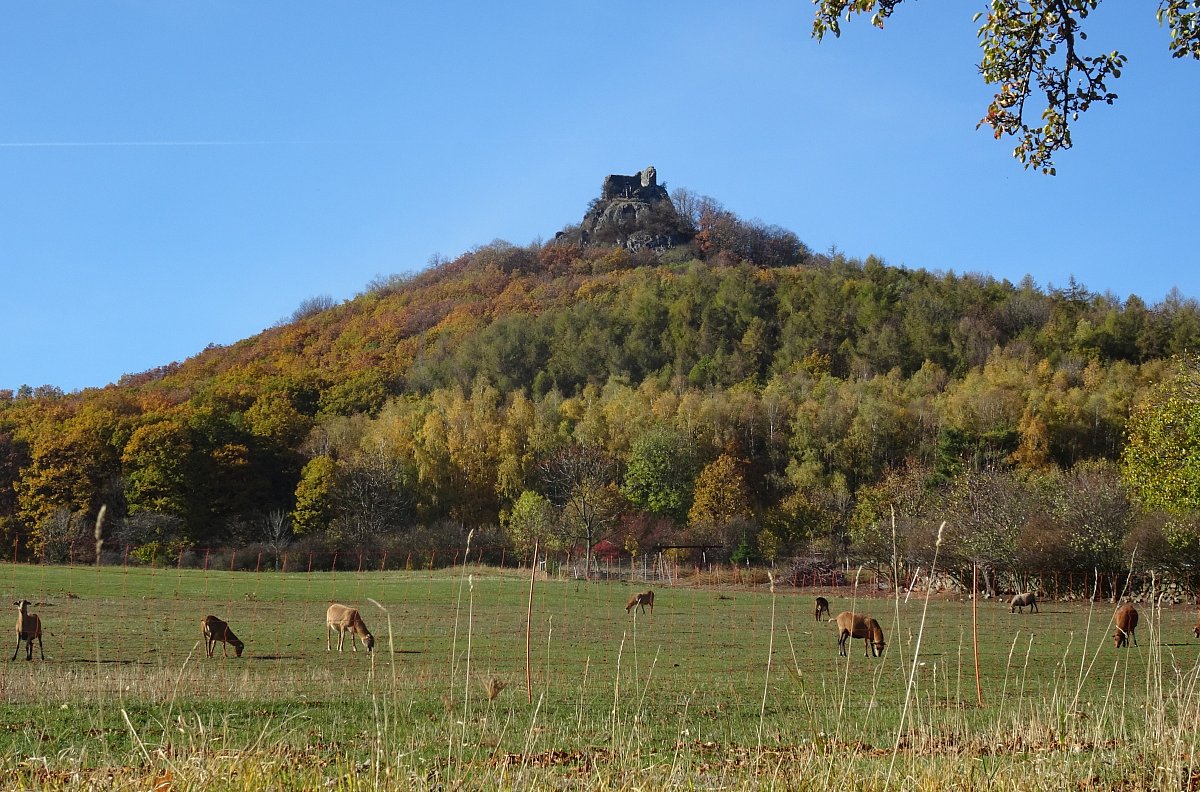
[(738, 391)]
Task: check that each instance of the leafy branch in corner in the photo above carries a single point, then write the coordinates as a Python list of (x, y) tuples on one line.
[(1033, 47)]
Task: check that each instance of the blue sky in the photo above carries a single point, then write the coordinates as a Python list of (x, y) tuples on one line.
[(175, 174)]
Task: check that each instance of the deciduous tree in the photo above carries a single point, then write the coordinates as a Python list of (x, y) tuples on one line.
[(722, 501), (315, 505), (533, 520), (1161, 461), (1034, 53), (580, 481), (660, 473), (159, 469)]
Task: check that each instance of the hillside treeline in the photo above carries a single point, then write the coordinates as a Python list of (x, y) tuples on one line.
[(740, 392)]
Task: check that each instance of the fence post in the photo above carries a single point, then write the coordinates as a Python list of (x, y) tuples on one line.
[(232, 558), (205, 559), (258, 563), (383, 563)]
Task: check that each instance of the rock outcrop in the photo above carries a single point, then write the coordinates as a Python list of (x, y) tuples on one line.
[(634, 212)]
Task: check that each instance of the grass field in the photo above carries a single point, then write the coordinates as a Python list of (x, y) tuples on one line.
[(721, 688)]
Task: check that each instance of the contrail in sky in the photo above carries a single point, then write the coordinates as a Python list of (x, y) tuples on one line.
[(138, 143)]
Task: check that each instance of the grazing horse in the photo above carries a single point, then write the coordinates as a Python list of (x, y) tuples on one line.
[(343, 619), (1126, 619), (214, 631), (857, 625), (822, 608), (1023, 601), (643, 599)]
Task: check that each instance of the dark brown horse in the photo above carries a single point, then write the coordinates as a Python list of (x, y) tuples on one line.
[(822, 608), (215, 630)]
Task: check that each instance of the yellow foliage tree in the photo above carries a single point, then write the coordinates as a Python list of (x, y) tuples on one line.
[(721, 500)]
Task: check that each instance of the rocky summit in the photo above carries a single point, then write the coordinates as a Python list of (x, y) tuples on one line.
[(634, 212)]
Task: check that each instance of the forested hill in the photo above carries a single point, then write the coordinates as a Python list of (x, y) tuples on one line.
[(739, 389)]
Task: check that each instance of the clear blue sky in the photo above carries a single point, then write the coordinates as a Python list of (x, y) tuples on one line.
[(174, 174)]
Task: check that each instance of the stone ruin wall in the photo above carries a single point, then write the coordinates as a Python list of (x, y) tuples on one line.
[(642, 185)]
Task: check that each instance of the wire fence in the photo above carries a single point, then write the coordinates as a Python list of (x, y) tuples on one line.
[(713, 624), (1067, 585)]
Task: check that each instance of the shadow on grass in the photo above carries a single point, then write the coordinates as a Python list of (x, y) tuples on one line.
[(309, 657), (107, 661)]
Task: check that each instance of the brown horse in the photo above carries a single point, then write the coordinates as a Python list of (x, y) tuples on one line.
[(643, 599), (214, 631), (856, 625), (1126, 619), (29, 627), (1023, 601)]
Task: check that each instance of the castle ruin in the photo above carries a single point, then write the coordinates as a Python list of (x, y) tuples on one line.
[(634, 212)]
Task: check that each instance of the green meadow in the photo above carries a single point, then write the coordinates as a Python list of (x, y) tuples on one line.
[(722, 687)]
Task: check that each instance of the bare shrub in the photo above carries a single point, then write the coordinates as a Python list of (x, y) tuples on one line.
[(311, 306)]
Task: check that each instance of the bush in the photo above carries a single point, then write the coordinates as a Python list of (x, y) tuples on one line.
[(313, 306), (161, 553)]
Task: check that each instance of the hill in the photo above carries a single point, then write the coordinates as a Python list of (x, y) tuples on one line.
[(725, 385)]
